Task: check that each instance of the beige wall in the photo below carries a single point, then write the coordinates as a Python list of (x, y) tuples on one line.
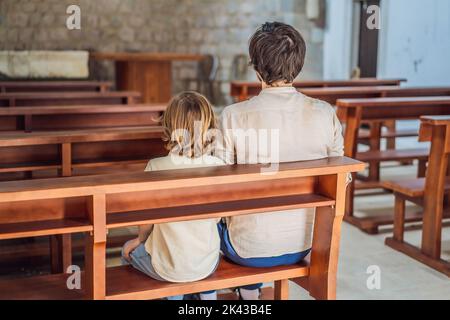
[(219, 27)]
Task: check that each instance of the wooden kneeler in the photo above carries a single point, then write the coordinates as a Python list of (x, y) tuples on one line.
[(429, 192), (96, 204)]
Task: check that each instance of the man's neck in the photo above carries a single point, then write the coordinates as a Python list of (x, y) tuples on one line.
[(275, 84)]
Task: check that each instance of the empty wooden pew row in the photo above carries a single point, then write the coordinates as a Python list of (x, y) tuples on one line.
[(32, 99), (331, 95), (242, 90), (429, 193), (94, 205), (54, 86), (78, 152), (354, 111), (78, 117)]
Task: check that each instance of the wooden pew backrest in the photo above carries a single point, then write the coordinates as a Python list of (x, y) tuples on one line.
[(79, 117), (30, 99), (55, 86), (242, 90), (78, 152)]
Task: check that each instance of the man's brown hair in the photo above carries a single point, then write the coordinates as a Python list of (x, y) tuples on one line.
[(187, 112), (277, 52)]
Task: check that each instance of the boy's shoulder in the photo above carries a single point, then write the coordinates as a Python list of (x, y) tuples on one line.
[(170, 162)]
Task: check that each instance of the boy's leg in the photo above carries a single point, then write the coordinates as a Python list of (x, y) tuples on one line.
[(141, 260)]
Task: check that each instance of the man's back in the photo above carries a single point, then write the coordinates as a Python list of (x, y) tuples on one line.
[(279, 125)]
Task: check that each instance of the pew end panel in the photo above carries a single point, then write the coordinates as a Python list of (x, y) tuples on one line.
[(430, 193)]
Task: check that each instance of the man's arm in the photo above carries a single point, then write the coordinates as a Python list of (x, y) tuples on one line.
[(224, 145), (337, 147)]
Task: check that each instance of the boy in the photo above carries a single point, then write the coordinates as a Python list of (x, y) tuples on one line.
[(305, 129), (189, 250)]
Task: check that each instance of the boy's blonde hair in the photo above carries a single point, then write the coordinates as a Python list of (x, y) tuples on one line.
[(187, 122)]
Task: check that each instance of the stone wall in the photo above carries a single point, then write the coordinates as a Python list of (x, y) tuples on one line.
[(218, 27)]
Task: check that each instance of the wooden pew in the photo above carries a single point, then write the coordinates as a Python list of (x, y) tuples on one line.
[(94, 205), (331, 95), (242, 90), (429, 193), (78, 117), (31, 99), (354, 111), (54, 86), (77, 152)]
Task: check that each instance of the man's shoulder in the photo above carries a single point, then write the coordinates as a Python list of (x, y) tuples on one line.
[(318, 104), (235, 107)]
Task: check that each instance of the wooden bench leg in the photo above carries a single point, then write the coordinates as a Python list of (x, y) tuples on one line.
[(375, 137), (60, 252), (95, 267), (95, 254), (399, 218), (324, 254), (28, 123), (391, 127), (66, 159), (422, 169), (282, 289), (350, 196)]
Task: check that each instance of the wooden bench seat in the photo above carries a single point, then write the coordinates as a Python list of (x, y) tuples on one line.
[(54, 86), (126, 283), (411, 187), (393, 155), (118, 200), (31, 99), (365, 134)]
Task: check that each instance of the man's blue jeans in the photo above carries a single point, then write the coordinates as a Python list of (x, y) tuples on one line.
[(265, 262)]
